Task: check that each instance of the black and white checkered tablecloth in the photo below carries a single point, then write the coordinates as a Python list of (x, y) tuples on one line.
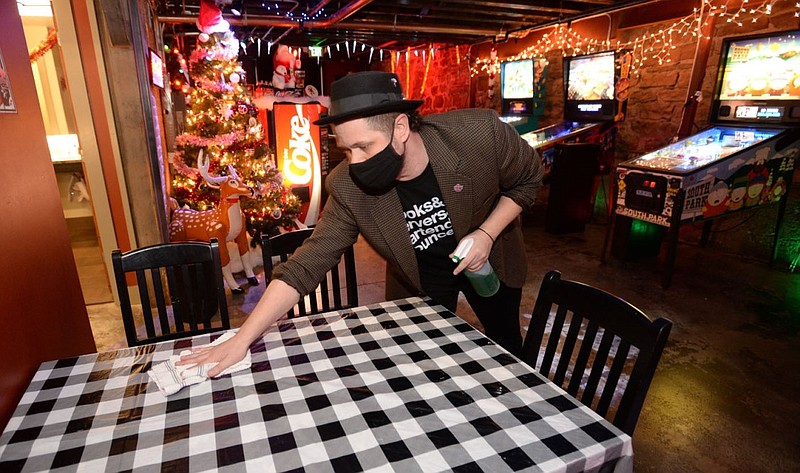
[(395, 386)]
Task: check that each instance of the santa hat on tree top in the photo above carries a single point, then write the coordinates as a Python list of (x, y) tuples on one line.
[(210, 19)]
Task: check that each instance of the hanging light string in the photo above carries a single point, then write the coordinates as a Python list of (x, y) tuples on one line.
[(747, 12), (654, 46), (348, 48)]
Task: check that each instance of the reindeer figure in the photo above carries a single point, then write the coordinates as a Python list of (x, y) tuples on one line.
[(226, 222)]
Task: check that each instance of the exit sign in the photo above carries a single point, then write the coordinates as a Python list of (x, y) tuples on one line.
[(315, 51)]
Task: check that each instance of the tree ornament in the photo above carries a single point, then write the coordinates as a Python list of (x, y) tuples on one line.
[(210, 19), (276, 214), (203, 38), (234, 78)]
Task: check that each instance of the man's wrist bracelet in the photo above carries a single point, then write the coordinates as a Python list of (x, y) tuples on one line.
[(487, 234)]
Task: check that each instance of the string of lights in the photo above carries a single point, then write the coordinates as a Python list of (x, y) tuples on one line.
[(655, 46)]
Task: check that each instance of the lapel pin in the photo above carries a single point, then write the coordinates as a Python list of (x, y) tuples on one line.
[(458, 188)]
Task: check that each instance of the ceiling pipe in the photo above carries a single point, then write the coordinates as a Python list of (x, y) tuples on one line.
[(342, 14), (281, 22), (319, 7), (571, 19)]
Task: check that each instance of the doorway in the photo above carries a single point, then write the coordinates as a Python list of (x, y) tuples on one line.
[(69, 138)]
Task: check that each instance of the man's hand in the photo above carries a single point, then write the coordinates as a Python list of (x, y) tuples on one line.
[(478, 254), (274, 303), (225, 354)]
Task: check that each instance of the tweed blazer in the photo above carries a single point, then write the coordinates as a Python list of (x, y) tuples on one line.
[(475, 157)]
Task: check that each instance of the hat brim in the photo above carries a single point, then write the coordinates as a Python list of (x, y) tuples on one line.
[(398, 106)]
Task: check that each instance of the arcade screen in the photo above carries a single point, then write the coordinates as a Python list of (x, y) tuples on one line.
[(517, 79), (591, 77), (762, 68)]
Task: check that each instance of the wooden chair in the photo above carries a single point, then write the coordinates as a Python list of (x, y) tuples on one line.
[(596, 346), (328, 294), (185, 276)]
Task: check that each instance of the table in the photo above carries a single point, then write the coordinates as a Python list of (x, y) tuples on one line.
[(400, 385)]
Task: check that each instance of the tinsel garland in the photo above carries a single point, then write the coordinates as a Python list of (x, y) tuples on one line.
[(187, 139), (223, 50), (183, 168), (213, 86), (44, 46)]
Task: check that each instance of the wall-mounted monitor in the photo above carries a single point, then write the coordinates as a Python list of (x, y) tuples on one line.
[(590, 87), (156, 69), (758, 79), (516, 78), (516, 87)]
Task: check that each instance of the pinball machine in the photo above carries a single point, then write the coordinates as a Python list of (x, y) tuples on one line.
[(744, 160), (595, 100)]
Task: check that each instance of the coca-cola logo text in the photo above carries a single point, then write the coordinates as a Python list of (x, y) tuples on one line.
[(298, 159)]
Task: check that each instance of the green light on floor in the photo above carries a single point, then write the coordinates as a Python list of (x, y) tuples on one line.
[(601, 203), (795, 262), (645, 230)]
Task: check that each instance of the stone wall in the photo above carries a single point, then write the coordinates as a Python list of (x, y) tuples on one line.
[(447, 86), (657, 95)]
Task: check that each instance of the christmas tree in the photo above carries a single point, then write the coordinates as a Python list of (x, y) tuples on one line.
[(222, 121)]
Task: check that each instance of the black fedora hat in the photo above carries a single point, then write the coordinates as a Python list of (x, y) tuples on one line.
[(365, 94)]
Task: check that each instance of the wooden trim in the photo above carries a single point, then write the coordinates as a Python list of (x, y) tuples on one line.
[(105, 141)]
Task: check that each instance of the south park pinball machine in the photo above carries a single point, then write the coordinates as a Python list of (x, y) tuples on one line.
[(744, 161)]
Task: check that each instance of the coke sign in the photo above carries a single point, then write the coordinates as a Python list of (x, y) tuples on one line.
[(298, 146)]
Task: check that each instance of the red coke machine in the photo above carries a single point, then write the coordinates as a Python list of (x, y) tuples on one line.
[(301, 152)]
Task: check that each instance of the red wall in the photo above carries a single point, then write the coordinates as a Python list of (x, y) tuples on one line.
[(441, 80), (42, 312)]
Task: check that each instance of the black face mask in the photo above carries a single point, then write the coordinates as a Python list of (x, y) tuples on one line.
[(377, 175)]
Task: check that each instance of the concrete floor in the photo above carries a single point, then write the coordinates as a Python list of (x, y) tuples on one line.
[(725, 395)]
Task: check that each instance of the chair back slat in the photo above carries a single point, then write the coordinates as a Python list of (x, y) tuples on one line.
[(206, 306), (582, 361), (176, 298), (552, 342), (194, 290), (335, 282), (327, 295), (160, 298), (618, 347), (323, 290), (351, 281), (614, 374), (313, 298), (183, 300), (144, 296), (568, 345), (597, 368)]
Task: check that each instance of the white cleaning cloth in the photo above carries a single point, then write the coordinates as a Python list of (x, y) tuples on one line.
[(171, 378)]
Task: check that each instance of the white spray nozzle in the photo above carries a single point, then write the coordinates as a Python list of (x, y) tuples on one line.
[(462, 249)]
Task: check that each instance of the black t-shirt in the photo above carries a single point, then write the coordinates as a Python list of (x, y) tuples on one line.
[(431, 234)]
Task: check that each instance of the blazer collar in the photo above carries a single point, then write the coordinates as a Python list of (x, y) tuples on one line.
[(456, 187)]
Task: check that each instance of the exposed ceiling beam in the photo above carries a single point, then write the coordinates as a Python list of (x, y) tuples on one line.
[(283, 22)]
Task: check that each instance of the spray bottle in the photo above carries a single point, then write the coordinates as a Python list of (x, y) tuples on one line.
[(484, 280)]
